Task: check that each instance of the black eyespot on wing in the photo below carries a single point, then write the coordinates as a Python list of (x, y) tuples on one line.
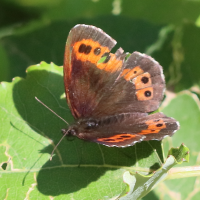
[(145, 79), (88, 49), (125, 136), (109, 140), (147, 93), (82, 48), (159, 125), (97, 51)]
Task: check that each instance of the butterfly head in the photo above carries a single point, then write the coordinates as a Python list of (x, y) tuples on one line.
[(81, 128)]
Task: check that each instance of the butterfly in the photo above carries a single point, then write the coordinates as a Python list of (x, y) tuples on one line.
[(110, 95)]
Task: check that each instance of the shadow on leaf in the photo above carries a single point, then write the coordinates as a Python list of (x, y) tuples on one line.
[(76, 163)]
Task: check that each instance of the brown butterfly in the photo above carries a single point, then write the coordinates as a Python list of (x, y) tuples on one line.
[(110, 100)]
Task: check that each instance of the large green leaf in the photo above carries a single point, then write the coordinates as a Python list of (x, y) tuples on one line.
[(138, 185), (29, 132)]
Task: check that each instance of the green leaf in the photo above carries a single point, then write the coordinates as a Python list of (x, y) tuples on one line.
[(29, 133), (180, 154), (139, 185)]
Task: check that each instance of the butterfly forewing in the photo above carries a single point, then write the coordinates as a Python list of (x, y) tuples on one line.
[(85, 79)]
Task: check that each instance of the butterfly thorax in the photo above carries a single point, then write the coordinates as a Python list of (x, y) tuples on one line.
[(81, 128)]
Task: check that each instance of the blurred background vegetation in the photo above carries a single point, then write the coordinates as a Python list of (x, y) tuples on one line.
[(32, 31), (36, 30)]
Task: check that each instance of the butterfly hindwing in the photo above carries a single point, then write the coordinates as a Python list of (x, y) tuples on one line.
[(127, 129)]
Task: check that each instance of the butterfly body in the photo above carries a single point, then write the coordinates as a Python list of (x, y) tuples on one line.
[(110, 100)]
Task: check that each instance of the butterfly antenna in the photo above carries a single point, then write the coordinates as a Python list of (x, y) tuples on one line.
[(58, 144), (51, 111)]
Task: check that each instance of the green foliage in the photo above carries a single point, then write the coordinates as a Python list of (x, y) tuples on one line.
[(33, 131), (34, 31), (139, 185)]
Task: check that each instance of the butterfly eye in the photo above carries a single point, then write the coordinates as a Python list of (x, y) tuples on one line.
[(71, 132)]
